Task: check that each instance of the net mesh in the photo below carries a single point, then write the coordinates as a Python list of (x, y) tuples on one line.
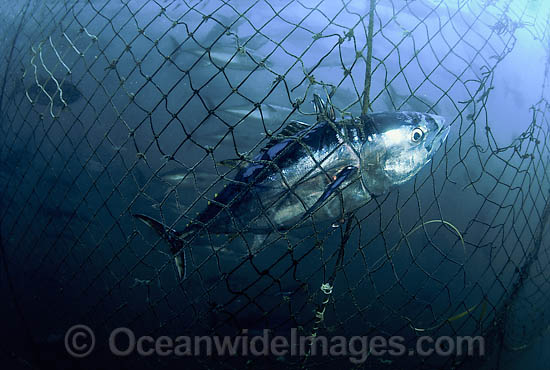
[(109, 108)]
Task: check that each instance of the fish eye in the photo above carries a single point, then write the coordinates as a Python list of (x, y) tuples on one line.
[(417, 135)]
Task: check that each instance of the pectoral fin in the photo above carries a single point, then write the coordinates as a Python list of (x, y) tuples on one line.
[(338, 180)]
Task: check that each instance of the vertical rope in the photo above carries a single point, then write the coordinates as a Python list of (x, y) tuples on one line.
[(368, 68), (327, 287)]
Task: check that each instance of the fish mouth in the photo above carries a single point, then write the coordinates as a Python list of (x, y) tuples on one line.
[(442, 132)]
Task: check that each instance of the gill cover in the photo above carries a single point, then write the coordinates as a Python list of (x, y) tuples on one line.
[(398, 145)]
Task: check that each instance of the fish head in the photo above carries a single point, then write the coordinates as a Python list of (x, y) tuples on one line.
[(398, 146)]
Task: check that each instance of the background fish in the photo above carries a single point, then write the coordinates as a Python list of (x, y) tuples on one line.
[(65, 92), (223, 55)]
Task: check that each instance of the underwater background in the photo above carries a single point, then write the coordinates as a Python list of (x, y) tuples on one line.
[(114, 108)]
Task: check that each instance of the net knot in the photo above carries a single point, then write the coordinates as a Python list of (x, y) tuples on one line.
[(326, 288)]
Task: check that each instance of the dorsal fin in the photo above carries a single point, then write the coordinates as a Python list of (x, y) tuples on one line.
[(331, 113), (324, 111)]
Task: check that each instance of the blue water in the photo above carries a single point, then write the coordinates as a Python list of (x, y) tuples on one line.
[(152, 87)]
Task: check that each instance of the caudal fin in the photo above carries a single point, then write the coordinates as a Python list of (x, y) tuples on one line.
[(174, 240)]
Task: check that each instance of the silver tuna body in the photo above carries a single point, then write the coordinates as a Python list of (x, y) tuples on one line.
[(304, 182), (362, 157), (318, 173)]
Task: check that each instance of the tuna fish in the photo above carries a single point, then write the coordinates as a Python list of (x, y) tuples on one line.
[(315, 173)]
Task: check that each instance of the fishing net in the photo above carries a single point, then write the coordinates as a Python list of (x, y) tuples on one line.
[(111, 108)]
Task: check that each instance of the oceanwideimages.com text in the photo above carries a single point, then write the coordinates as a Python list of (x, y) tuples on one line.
[(80, 342)]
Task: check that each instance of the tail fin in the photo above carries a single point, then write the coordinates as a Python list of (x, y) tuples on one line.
[(174, 239)]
